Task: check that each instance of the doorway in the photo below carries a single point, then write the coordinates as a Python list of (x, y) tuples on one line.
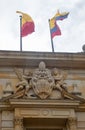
[(44, 123)]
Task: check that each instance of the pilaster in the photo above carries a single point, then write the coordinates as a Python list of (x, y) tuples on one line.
[(71, 123), (18, 123)]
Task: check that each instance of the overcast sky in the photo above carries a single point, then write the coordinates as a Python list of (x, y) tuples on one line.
[(72, 28)]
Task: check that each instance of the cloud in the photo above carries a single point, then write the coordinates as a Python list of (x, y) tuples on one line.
[(72, 28)]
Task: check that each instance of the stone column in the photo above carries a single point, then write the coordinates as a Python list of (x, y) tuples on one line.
[(71, 123), (18, 123)]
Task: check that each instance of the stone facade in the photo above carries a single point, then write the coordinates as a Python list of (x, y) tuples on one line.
[(42, 91)]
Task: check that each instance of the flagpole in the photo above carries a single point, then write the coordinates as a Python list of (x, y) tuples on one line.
[(51, 37), (20, 33)]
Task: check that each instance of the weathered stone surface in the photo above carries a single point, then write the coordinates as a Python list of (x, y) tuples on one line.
[(0, 120), (27, 59), (8, 124), (7, 129), (7, 115), (59, 105)]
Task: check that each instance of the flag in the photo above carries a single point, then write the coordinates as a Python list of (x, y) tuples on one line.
[(27, 24), (61, 16), (54, 29)]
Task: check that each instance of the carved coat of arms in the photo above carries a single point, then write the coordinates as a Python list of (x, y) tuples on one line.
[(42, 81)]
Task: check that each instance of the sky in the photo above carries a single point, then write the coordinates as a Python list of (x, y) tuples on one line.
[(72, 28)]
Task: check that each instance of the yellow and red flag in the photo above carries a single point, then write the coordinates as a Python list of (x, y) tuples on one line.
[(27, 24)]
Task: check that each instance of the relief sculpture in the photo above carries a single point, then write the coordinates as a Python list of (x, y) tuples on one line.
[(23, 85), (43, 83)]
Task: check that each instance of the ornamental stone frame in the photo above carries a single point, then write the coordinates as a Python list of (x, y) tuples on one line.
[(68, 114)]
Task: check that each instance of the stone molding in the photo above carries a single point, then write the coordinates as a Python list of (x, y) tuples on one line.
[(61, 60), (68, 114)]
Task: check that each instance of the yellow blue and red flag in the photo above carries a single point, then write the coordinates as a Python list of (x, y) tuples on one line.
[(61, 16), (54, 28)]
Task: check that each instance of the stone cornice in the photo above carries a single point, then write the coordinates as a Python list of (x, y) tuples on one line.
[(44, 103), (32, 59), (27, 103)]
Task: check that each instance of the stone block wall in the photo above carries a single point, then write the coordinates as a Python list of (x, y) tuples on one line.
[(7, 120), (80, 120)]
